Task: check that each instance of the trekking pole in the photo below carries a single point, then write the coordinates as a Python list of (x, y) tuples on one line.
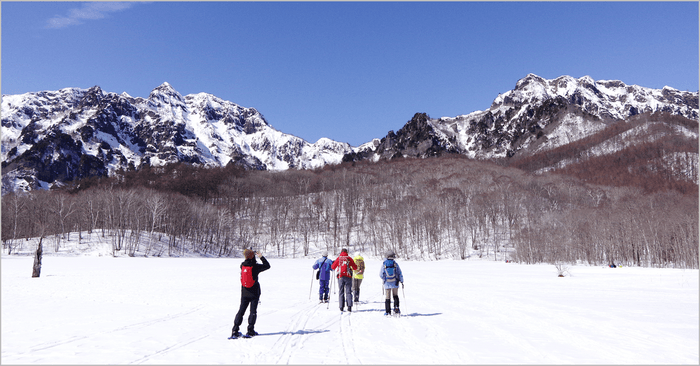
[(330, 278), (404, 297), (335, 285), (312, 284)]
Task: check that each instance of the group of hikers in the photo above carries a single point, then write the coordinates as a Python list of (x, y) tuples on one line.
[(349, 271)]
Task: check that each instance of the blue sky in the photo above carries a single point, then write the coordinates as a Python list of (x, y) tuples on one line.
[(349, 71)]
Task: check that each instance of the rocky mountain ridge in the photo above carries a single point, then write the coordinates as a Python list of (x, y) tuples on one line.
[(52, 137), (540, 115)]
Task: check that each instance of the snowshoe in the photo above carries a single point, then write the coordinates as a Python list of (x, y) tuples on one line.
[(250, 335), (235, 335)]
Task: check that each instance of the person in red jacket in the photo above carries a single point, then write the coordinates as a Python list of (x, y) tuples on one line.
[(344, 265)]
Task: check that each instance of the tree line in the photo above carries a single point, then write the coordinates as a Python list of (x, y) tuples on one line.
[(423, 209), (666, 161)]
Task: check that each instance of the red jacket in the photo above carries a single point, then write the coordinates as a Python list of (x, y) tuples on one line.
[(336, 264)]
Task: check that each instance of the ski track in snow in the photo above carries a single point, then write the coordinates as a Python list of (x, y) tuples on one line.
[(180, 311), (347, 339), (168, 349), (292, 340), (131, 327)]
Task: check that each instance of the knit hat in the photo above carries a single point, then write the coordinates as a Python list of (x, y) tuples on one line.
[(344, 251), (390, 254), (325, 253), (248, 254)]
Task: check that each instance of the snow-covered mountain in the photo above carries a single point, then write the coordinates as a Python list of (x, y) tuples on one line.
[(51, 137), (565, 109), (540, 115)]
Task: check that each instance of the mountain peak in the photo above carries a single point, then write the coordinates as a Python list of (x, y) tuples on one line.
[(165, 92), (527, 80), (586, 80), (165, 88)]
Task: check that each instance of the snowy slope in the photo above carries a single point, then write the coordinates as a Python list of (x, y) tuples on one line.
[(537, 115), (47, 136), (606, 98), (52, 137), (566, 109), (102, 310)]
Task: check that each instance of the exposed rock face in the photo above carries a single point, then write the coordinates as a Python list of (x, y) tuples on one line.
[(52, 137), (537, 115), (415, 139)]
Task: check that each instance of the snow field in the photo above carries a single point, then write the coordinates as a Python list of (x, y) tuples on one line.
[(98, 310)]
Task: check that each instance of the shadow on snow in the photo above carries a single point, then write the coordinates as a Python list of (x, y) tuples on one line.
[(417, 314), (298, 332)]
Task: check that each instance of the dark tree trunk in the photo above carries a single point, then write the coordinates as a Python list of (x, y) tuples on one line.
[(37, 259)]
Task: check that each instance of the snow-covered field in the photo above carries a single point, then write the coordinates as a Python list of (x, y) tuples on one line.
[(105, 310)]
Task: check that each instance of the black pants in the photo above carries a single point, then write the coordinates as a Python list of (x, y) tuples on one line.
[(356, 282), (252, 317)]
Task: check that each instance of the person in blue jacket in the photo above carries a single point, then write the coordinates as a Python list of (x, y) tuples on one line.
[(391, 275), (324, 264)]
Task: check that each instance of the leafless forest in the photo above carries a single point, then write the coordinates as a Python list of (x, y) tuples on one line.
[(424, 209)]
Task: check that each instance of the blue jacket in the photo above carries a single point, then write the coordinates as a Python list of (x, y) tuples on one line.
[(325, 268), (399, 275)]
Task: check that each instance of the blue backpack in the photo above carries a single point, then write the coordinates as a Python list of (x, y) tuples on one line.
[(390, 270)]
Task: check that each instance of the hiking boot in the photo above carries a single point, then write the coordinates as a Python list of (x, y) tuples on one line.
[(235, 335), (250, 334), (350, 309), (397, 311)]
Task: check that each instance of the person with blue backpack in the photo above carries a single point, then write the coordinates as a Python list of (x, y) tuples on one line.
[(391, 275), (323, 275)]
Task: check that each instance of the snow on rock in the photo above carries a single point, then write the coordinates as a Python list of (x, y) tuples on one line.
[(124, 132), (611, 98), (561, 110)]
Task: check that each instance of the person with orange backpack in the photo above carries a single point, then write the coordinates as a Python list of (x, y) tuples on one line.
[(250, 292), (344, 265)]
